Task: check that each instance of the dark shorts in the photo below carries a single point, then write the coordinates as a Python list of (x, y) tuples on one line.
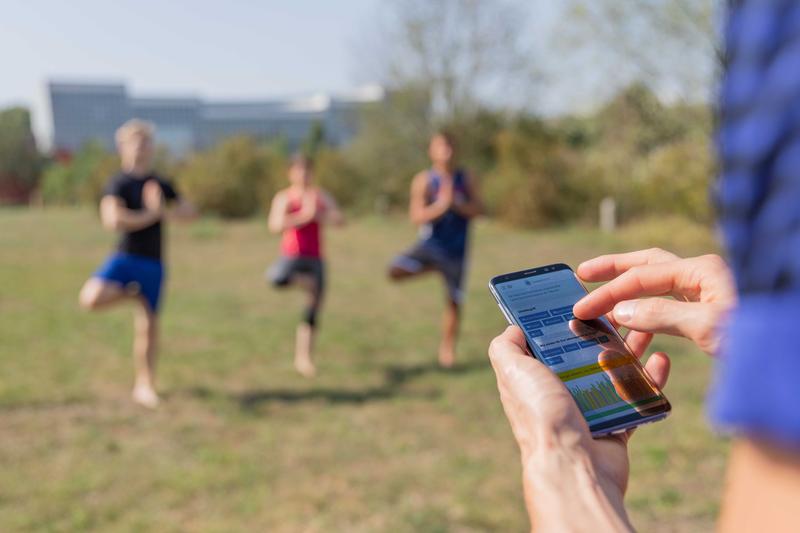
[(280, 274), (422, 256), (135, 271)]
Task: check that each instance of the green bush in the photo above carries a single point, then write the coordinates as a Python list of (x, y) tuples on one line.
[(676, 179), (234, 178), (336, 174), (534, 180), (79, 179)]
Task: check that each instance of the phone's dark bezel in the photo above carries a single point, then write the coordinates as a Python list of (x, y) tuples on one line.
[(605, 428), (511, 276)]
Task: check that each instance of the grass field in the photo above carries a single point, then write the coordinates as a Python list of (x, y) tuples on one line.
[(381, 440)]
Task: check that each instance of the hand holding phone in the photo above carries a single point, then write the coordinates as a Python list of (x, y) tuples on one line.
[(558, 452), (599, 370)]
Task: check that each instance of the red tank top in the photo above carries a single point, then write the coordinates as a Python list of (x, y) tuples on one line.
[(303, 241)]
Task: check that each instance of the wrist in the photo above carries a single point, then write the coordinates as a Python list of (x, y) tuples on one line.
[(564, 493), (156, 214)]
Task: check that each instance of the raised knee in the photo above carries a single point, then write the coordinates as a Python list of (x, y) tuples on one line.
[(395, 272), (87, 299), (279, 283)]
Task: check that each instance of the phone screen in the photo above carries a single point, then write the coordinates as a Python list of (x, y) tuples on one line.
[(605, 378)]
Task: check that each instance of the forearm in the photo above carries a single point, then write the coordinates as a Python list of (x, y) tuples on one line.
[(295, 220), (424, 215), (563, 493), (469, 209), (129, 220), (762, 489)]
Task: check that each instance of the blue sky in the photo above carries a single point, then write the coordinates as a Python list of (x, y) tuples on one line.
[(213, 49), (220, 50)]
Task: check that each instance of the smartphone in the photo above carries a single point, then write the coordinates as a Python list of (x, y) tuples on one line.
[(605, 378)]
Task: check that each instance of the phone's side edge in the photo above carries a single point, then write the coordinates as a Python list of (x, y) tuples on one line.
[(629, 425)]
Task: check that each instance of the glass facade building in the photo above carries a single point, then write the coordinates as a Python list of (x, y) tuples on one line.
[(83, 112)]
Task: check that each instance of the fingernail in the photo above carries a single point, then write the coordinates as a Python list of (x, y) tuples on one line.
[(623, 312)]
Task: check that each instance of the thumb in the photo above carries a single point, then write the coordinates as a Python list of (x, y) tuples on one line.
[(514, 368), (662, 315)]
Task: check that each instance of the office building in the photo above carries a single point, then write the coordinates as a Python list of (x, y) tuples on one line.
[(82, 112)]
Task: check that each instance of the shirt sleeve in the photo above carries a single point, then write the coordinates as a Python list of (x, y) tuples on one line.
[(170, 193), (113, 188), (756, 389)]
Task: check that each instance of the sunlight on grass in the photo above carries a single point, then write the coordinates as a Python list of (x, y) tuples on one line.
[(382, 440)]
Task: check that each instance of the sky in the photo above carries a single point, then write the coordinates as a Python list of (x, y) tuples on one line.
[(198, 47), (210, 49)]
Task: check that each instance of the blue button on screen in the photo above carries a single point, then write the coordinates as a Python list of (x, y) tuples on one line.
[(561, 310), (534, 316)]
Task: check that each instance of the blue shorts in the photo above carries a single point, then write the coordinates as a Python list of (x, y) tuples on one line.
[(144, 273)]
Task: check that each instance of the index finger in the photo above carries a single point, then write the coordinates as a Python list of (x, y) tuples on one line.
[(651, 280), (610, 266)]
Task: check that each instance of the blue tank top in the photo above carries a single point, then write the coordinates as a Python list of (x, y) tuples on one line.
[(447, 233)]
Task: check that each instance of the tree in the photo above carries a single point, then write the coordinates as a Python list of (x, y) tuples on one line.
[(20, 162), (462, 51), (315, 140), (652, 158), (672, 45), (390, 146)]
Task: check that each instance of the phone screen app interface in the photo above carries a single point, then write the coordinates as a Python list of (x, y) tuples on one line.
[(588, 356)]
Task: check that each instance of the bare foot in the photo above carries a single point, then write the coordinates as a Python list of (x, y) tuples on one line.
[(447, 357), (305, 367), (302, 352), (145, 396)]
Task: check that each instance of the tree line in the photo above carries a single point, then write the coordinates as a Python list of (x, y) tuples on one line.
[(469, 67), (652, 158)]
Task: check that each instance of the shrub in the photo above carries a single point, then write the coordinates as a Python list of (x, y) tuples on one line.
[(234, 178), (343, 180), (533, 183), (80, 178)]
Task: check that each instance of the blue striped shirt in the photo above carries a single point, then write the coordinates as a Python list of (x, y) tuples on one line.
[(757, 385)]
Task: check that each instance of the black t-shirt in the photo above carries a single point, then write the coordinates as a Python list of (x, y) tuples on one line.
[(145, 242)]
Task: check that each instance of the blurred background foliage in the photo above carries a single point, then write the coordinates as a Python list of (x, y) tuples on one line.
[(464, 66), (651, 158)]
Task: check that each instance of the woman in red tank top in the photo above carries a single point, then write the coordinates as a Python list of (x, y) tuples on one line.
[(300, 241), (298, 212)]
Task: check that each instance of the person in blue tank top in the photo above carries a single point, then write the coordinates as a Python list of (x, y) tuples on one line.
[(443, 201)]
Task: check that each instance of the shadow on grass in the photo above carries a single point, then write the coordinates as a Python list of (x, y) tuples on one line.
[(43, 405), (397, 375), (394, 380), (250, 400)]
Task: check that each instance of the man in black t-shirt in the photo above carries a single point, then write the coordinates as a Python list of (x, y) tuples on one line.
[(134, 204)]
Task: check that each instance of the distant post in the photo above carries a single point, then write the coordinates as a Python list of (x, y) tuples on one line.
[(608, 214)]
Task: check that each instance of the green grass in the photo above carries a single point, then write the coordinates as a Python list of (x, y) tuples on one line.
[(381, 441)]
